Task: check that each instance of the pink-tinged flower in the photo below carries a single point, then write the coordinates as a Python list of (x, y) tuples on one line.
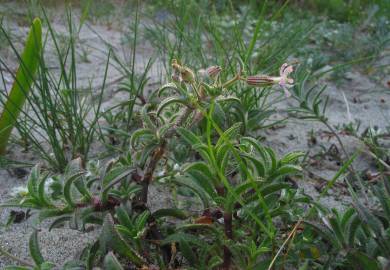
[(282, 80), (213, 71), (176, 77)]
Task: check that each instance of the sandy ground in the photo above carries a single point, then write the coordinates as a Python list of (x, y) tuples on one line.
[(362, 99)]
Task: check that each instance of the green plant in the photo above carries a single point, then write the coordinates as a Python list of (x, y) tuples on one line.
[(58, 123), (23, 80), (239, 182), (357, 237)]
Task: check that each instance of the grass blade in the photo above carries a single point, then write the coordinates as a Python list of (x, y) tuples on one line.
[(22, 84)]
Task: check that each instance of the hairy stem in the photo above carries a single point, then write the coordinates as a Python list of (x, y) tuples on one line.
[(157, 155), (227, 255)]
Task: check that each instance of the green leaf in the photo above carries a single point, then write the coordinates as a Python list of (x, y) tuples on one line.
[(368, 219), (291, 157), (324, 232), (228, 99), (188, 136), (113, 177), (259, 166), (32, 184), (361, 260), (110, 239), (41, 192), (111, 262), (22, 84), (187, 252), (170, 212), (49, 266), (92, 254), (180, 236), (352, 230), (261, 150), (191, 184), (74, 265), (170, 86), (229, 134), (199, 167), (336, 228), (59, 222), (284, 170), (49, 213), (139, 134), (170, 101), (272, 188), (34, 248), (147, 122), (67, 188), (123, 217)]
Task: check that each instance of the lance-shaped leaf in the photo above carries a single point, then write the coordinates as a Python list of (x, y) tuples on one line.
[(67, 188), (145, 133), (22, 84), (170, 101), (111, 262), (34, 249), (110, 239), (173, 87), (170, 212), (188, 136)]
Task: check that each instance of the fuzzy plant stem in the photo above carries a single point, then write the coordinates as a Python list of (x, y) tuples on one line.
[(142, 199), (227, 255), (158, 154), (228, 228)]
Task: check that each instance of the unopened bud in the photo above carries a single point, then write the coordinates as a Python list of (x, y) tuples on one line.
[(213, 71), (176, 77), (187, 75)]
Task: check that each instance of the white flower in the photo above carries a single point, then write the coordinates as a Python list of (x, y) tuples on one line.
[(48, 183), (160, 174), (19, 191), (176, 167)]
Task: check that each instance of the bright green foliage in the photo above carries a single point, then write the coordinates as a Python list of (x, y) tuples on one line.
[(29, 62)]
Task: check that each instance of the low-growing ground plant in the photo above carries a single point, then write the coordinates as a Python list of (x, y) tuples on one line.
[(237, 185)]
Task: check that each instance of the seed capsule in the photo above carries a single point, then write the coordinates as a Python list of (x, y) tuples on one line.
[(259, 80)]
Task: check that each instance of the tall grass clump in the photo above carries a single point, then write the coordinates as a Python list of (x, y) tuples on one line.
[(61, 116)]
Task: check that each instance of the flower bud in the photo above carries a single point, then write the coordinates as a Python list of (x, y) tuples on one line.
[(213, 71), (187, 75)]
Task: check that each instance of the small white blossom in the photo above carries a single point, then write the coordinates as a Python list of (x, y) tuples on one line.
[(176, 167), (19, 191), (160, 173), (48, 183)]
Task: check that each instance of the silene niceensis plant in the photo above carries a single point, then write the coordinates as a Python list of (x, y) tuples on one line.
[(238, 203)]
